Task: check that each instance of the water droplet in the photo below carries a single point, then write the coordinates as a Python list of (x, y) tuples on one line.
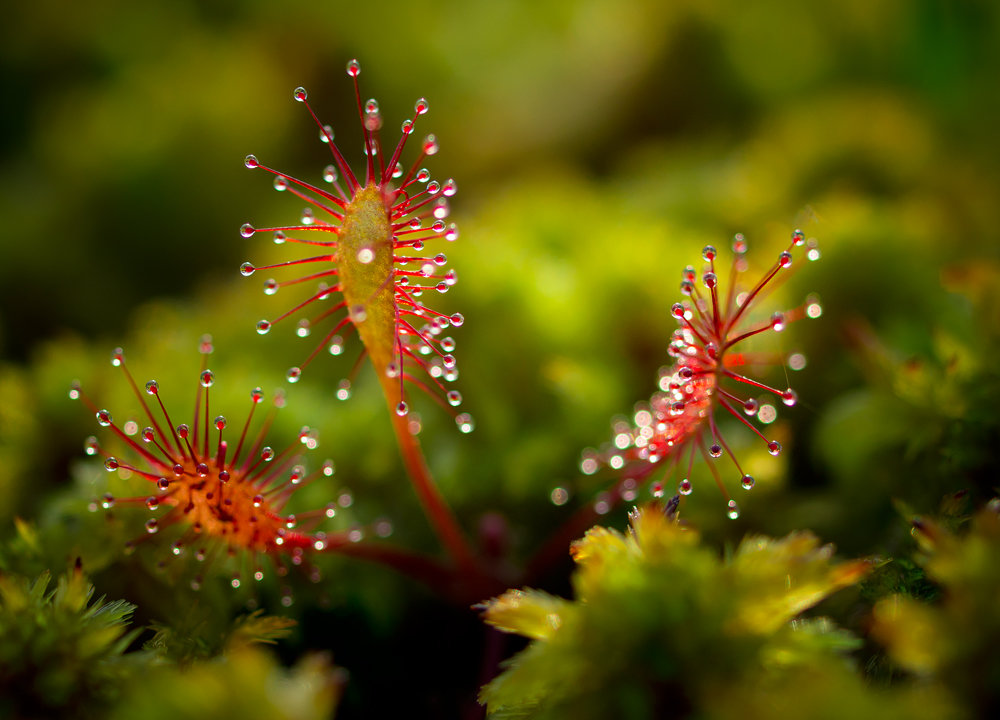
[(162, 484), (559, 496), (183, 431), (300, 94), (454, 398), (406, 128), (353, 68), (247, 269), (207, 378), (798, 237), (117, 357), (104, 418), (365, 255), (750, 407), (343, 389), (814, 310), (326, 134), (263, 327), (431, 145), (90, 446), (450, 188), (710, 280), (111, 464), (684, 487), (774, 447), (152, 526), (280, 183), (279, 237), (747, 482), (152, 503), (358, 314), (402, 408), (796, 361), (258, 500), (778, 322), (177, 548), (336, 345), (789, 397), (709, 253), (201, 469), (256, 395), (785, 259), (224, 476), (330, 174), (739, 244), (734, 510), (465, 422), (457, 319), (716, 450), (247, 230), (371, 106)]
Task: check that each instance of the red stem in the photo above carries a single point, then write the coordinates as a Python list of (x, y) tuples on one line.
[(441, 517)]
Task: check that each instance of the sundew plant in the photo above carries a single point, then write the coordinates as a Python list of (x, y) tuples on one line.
[(703, 431)]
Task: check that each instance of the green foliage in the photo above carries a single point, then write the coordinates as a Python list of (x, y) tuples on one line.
[(952, 642), (61, 652), (245, 682), (661, 626)]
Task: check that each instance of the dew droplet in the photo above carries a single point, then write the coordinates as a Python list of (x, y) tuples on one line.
[(747, 482), (465, 422), (152, 526), (710, 280), (789, 397), (152, 503), (684, 487), (798, 237), (267, 454), (247, 269), (207, 378), (104, 418), (263, 327), (750, 407), (454, 398), (258, 500), (715, 451), (365, 255), (785, 259), (559, 496), (111, 464), (739, 244), (279, 237), (108, 501), (300, 94), (90, 446), (353, 68), (162, 484), (344, 389), (733, 511), (330, 174), (778, 321), (774, 447), (247, 230), (280, 183)]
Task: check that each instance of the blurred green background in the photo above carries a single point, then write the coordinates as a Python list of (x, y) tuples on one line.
[(597, 147)]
